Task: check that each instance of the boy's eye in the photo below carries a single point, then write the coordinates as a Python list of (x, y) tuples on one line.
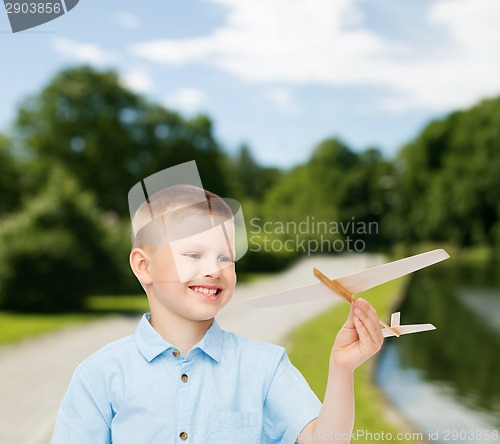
[(192, 255), (225, 259)]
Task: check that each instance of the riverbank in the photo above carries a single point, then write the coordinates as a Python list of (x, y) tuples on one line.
[(428, 376), (309, 348)]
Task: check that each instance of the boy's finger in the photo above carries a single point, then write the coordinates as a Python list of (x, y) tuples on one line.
[(367, 306), (377, 335), (367, 344), (349, 323), (375, 331), (364, 335), (369, 317), (370, 327)]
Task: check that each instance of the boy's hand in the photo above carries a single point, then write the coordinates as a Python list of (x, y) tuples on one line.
[(358, 339)]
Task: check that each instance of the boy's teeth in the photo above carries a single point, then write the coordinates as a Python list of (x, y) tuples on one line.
[(204, 290)]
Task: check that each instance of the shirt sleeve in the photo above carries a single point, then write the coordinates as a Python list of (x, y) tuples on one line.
[(83, 418), (290, 403)]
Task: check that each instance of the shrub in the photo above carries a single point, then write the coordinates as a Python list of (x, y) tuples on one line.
[(52, 251)]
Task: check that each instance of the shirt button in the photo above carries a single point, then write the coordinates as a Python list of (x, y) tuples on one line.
[(176, 353), (183, 436), (184, 378)]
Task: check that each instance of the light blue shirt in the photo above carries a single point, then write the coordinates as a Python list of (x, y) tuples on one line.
[(227, 390)]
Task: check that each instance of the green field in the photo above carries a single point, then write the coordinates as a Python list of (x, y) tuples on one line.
[(19, 326)]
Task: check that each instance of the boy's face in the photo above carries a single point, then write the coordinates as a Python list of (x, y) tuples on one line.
[(194, 276)]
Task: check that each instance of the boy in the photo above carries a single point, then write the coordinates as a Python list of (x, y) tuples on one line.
[(180, 378)]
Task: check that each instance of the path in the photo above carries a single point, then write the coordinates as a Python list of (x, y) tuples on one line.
[(35, 374)]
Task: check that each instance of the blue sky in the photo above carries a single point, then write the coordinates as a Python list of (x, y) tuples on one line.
[(279, 75)]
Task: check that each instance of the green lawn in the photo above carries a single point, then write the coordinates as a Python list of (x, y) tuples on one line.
[(18, 326), (309, 349)]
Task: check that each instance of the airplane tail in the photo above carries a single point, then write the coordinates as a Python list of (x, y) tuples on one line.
[(404, 329)]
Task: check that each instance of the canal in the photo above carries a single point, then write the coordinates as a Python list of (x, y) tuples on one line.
[(447, 382)]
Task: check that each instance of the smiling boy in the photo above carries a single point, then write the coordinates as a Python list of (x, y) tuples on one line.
[(188, 273), (180, 378)]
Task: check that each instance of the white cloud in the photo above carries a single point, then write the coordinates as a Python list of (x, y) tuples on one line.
[(127, 19), (83, 52), (138, 80), (301, 47), (282, 100), (188, 100), (269, 41)]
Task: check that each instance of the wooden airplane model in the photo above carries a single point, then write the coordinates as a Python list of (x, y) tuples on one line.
[(351, 284)]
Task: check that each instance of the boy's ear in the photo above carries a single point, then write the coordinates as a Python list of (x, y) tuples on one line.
[(139, 262)]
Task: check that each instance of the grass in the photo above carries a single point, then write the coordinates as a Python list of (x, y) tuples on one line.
[(129, 304), (16, 327), (309, 349)]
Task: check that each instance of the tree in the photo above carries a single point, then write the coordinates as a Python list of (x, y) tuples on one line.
[(11, 187), (336, 187), (53, 253), (448, 182), (109, 138), (252, 180), (312, 189)]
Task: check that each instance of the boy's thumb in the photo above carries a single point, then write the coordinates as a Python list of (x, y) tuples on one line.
[(349, 323)]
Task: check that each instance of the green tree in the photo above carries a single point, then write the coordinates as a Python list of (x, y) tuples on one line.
[(252, 180), (53, 253), (312, 189), (366, 196), (109, 138), (336, 186), (11, 187), (448, 182)]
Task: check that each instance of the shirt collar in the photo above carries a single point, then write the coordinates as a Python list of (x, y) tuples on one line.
[(151, 344)]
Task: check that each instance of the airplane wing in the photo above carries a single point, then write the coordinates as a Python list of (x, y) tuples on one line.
[(308, 293), (354, 283), (371, 277), (406, 329)]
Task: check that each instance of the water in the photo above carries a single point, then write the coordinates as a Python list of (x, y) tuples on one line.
[(447, 382)]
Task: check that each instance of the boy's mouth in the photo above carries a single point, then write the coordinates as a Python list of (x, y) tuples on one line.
[(208, 292)]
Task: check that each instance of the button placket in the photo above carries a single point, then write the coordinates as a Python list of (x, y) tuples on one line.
[(184, 399)]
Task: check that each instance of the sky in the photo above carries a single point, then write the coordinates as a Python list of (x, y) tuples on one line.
[(277, 75)]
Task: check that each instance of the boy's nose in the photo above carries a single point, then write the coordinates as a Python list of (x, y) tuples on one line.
[(212, 269), (213, 272)]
